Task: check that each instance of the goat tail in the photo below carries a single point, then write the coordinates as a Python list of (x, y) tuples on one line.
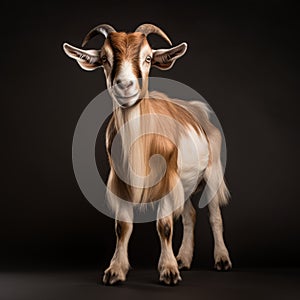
[(215, 189), (223, 193)]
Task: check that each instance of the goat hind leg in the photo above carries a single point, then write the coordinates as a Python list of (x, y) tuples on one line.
[(221, 255), (186, 250)]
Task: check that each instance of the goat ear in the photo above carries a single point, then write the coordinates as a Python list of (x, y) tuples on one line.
[(164, 59), (88, 60)]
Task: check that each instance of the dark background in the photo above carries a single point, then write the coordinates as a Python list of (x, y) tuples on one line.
[(243, 58)]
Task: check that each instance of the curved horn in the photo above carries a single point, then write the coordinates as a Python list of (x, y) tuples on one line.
[(105, 29), (150, 28)]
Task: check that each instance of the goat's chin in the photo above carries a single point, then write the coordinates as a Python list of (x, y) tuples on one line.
[(126, 102)]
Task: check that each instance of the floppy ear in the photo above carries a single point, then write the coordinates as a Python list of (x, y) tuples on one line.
[(165, 58), (88, 60)]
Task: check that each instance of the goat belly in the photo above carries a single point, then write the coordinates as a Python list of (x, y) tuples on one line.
[(185, 162), (193, 161)]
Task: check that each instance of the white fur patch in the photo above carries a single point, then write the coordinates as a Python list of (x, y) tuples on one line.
[(126, 71), (194, 160)]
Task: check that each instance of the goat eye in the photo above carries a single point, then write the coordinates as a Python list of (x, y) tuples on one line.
[(104, 58), (148, 59)]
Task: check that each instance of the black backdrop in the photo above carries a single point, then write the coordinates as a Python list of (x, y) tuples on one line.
[(243, 57)]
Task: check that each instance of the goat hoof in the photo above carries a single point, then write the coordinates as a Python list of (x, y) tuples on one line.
[(113, 276), (223, 264), (183, 264), (170, 276)]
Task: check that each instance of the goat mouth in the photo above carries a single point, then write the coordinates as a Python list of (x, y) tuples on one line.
[(126, 101)]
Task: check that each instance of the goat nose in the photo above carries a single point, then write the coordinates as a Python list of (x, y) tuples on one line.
[(124, 84)]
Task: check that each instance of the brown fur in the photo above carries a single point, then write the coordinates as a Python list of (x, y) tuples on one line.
[(165, 229)]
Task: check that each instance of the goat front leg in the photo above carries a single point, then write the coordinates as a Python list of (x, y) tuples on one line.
[(186, 250), (221, 255), (119, 264), (167, 266)]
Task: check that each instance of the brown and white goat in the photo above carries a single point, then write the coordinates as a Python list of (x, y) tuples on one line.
[(127, 59)]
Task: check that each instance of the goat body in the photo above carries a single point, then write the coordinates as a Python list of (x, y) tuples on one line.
[(187, 160)]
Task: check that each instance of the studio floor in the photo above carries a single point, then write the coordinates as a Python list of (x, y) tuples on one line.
[(143, 284)]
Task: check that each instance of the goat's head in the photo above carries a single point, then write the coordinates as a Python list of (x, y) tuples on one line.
[(126, 59)]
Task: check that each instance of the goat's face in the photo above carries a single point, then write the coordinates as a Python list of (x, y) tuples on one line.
[(126, 59)]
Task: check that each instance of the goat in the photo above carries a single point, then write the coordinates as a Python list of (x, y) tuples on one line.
[(127, 59)]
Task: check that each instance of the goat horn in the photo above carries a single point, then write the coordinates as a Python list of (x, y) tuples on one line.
[(150, 28), (105, 29)]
